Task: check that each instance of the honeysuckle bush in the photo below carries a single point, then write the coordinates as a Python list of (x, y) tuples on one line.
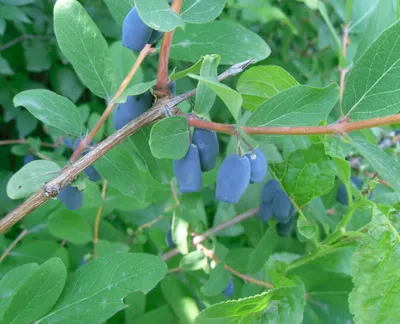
[(130, 247)]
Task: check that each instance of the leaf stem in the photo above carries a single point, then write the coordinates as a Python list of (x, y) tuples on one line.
[(98, 217)]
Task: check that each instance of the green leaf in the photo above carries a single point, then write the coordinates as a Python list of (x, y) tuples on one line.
[(104, 247), (135, 90), (232, 42), (230, 97), (194, 69), (219, 279), (119, 168), (372, 85), (38, 294), (195, 260), (105, 281), (84, 46), (387, 167), (52, 109), (119, 9), (205, 97), (306, 174), (68, 225), (201, 11), (158, 15), (179, 299), (160, 169), (169, 138), (260, 83), (11, 282), (31, 178), (26, 123), (375, 268), (13, 13), (383, 16), (279, 305), (306, 227), (361, 11), (297, 106), (179, 231), (263, 251)]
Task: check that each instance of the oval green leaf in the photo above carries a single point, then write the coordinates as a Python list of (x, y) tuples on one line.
[(31, 178), (232, 41), (169, 138), (82, 43), (52, 109)]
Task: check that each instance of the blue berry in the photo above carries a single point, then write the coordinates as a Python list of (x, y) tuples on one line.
[(207, 144), (230, 289), (232, 178), (258, 165), (266, 211), (131, 109), (269, 191), (188, 171), (135, 33), (29, 158), (284, 229), (71, 197)]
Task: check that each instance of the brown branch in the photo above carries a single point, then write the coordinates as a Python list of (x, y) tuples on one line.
[(162, 75), (98, 217), (13, 244), (149, 224), (110, 107), (173, 270), (69, 173), (201, 237), (242, 276), (22, 38), (372, 175), (337, 128)]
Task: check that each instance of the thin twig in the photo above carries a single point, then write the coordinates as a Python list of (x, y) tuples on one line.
[(244, 277), (13, 244), (110, 107), (174, 193), (337, 128), (374, 175), (149, 224), (22, 38), (343, 69), (162, 74), (22, 141), (98, 217), (201, 237), (70, 172), (173, 270)]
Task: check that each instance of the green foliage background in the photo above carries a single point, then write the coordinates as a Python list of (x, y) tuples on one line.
[(59, 68)]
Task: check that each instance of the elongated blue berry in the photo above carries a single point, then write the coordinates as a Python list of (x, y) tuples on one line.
[(282, 207), (29, 158), (92, 173), (284, 229), (207, 144), (135, 33), (131, 109), (258, 165), (232, 178), (266, 211), (269, 191), (230, 289), (71, 197), (188, 171), (155, 36)]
